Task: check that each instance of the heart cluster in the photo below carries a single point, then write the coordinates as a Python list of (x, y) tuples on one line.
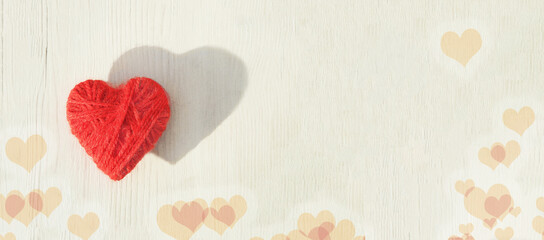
[(183, 219), (499, 154), (491, 206), (118, 126), (466, 230), (26, 154), (538, 221), (24, 209), (321, 227)]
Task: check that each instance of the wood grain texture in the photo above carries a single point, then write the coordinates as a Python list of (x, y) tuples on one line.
[(298, 106)]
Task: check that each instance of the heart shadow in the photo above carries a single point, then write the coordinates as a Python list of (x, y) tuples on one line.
[(204, 86)]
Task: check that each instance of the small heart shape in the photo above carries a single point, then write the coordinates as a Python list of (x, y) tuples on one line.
[(191, 215), (466, 229), (321, 232), (14, 205), (505, 154), (518, 121), (463, 187), (35, 201), (498, 153), (496, 207), (504, 234), (461, 48), (538, 224), (225, 215), (7, 236), (51, 200), (540, 204), (26, 154), (490, 223), (118, 126), (515, 211), (83, 227)]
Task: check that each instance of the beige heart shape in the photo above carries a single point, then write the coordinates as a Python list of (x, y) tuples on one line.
[(474, 203), (34, 203), (83, 227), (297, 235), (519, 121), (323, 227), (275, 237), (26, 154), (307, 222), (500, 193), (488, 207), (515, 211), (28, 213), (7, 236), (225, 214), (504, 234), (343, 230), (538, 224), (540, 204), (464, 187), (466, 229), (168, 224), (3, 211), (52, 199), (461, 48), (498, 154), (490, 223)]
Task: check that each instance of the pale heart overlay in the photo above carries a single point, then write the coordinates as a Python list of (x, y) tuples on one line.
[(25, 208), (466, 230), (83, 227), (461, 48), (538, 221), (7, 236), (499, 154), (489, 207), (26, 154), (328, 106), (321, 227), (518, 121), (183, 219), (504, 234)]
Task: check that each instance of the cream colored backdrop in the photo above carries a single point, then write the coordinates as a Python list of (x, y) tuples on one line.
[(298, 106)]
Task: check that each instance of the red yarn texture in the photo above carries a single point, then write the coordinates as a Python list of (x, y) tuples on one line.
[(118, 126)]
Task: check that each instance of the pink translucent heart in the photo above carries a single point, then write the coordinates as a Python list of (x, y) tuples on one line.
[(225, 215), (14, 205), (496, 207), (498, 153), (191, 215), (35, 201), (321, 232)]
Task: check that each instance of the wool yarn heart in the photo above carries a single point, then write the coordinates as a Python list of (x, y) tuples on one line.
[(118, 126)]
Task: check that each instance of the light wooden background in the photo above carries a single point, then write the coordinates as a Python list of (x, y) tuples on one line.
[(299, 106)]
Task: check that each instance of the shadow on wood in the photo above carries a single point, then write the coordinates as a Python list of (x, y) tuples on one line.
[(204, 86)]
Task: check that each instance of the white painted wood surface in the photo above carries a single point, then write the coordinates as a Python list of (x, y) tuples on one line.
[(298, 106)]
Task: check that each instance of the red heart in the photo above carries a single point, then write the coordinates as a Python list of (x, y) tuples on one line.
[(118, 126)]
